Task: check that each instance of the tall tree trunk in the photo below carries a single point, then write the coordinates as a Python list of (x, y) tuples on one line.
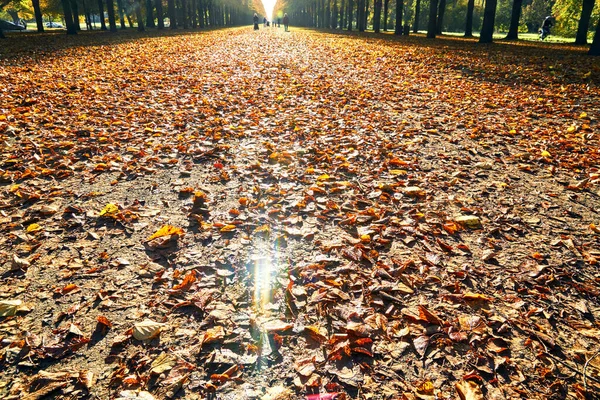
[(39, 20), (184, 14), (149, 14), (121, 14), (595, 48), (86, 16), (194, 13), (366, 15), (139, 15), (440, 16), (327, 14), (584, 22), (75, 9), (160, 17), (343, 14), (432, 25), (334, 17), (399, 11), (112, 21), (129, 20), (386, 9), (515, 16), (201, 13), (489, 18), (2, 34), (71, 29), (377, 16), (469, 23), (171, 12), (361, 15), (417, 16), (350, 14), (101, 14)]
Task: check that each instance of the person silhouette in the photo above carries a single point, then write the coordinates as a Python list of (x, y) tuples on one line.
[(286, 22), (255, 21)]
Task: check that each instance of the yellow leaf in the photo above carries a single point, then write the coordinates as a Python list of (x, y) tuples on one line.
[(228, 228), (545, 154), (571, 129), (33, 228), (583, 115), (167, 230), (398, 172), (109, 210), (323, 177)]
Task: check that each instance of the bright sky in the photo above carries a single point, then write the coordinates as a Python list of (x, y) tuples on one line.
[(269, 6)]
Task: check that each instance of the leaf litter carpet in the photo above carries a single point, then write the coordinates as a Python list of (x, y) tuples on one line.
[(238, 214)]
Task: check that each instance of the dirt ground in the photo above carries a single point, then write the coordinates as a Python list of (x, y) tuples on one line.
[(305, 215)]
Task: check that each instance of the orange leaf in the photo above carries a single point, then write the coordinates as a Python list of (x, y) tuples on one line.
[(167, 230)]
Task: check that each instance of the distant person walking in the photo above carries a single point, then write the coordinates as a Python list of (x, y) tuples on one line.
[(286, 22), (255, 21)]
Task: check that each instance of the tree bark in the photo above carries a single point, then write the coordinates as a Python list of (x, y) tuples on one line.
[(101, 15), (584, 21), (121, 14), (489, 18), (139, 16), (417, 16), (440, 16), (171, 12), (160, 18), (469, 23), (595, 48), (386, 9), (399, 11), (350, 14), (75, 9), (39, 20), (513, 30), (377, 16), (112, 20), (71, 29), (149, 14), (432, 25)]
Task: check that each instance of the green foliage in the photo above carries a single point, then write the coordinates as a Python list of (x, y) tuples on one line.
[(567, 13)]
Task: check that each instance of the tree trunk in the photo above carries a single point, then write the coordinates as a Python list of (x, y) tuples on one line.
[(75, 9), (399, 11), (160, 18), (2, 34), (101, 14), (584, 22), (350, 14), (440, 16), (432, 25), (112, 21), (469, 23), (201, 13), (14, 15), (71, 29), (489, 17), (184, 14), (595, 48), (513, 30), (377, 16), (360, 15), (39, 20), (366, 15), (139, 16), (129, 20), (194, 13), (342, 14), (386, 9), (121, 14), (417, 16), (171, 12), (149, 14)]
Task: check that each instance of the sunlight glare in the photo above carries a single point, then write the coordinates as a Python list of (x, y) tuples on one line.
[(269, 6), (263, 270)]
